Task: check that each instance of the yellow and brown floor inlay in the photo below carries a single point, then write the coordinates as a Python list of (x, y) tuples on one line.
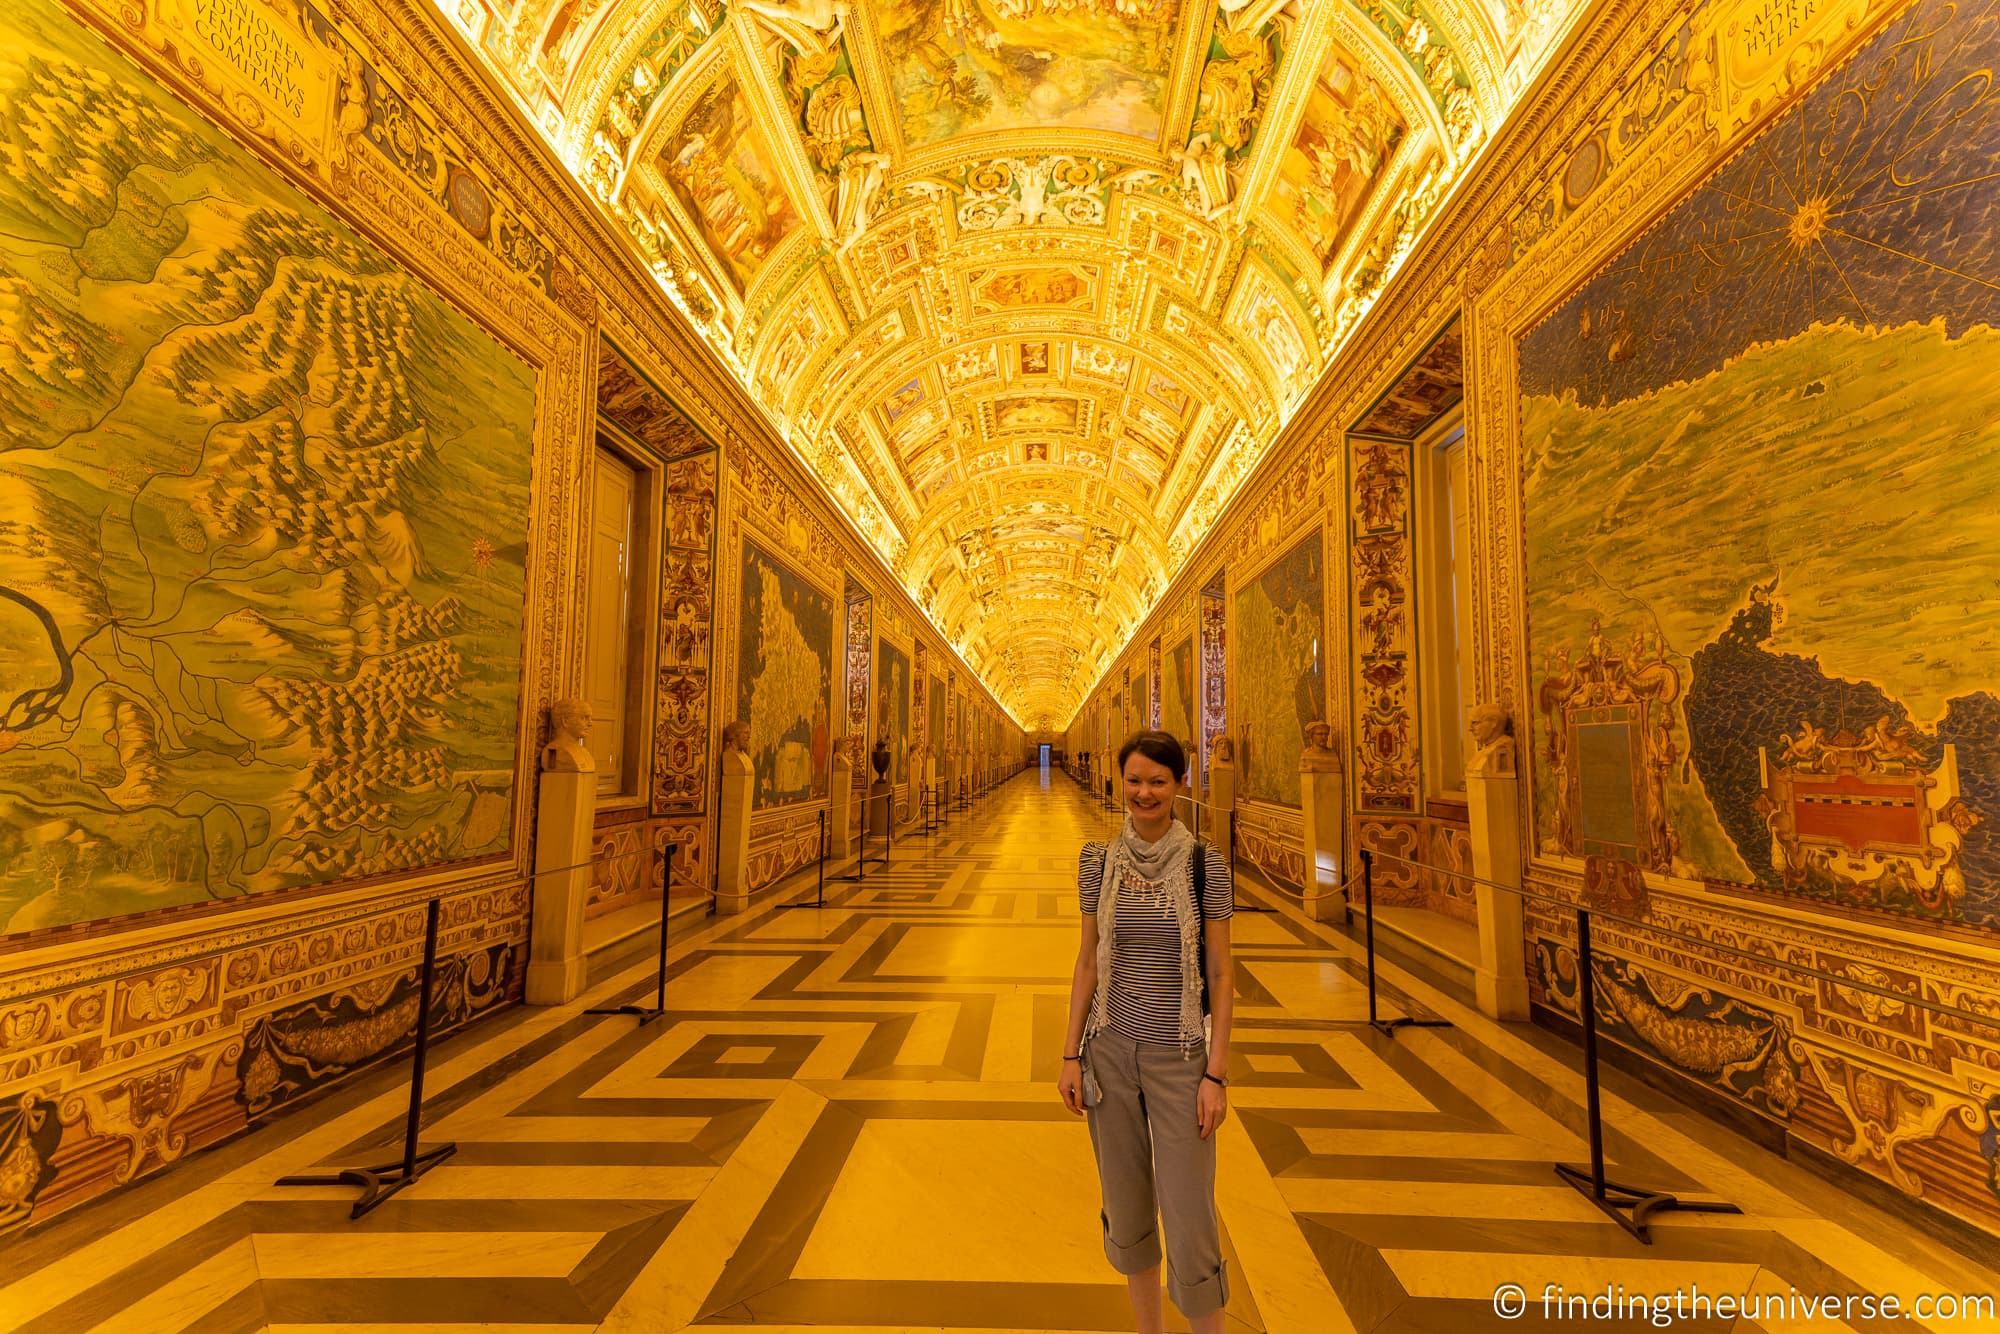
[(848, 1121)]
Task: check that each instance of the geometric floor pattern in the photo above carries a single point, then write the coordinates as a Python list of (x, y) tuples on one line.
[(848, 1121)]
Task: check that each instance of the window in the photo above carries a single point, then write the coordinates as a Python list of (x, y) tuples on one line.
[(611, 603), (1447, 596)]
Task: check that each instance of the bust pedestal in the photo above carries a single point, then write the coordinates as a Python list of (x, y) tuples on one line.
[(1221, 804), (732, 856), (881, 811), (566, 805), (1501, 984), (1321, 800), (840, 811)]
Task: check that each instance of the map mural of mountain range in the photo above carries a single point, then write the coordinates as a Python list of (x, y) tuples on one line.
[(261, 568), (1761, 452)]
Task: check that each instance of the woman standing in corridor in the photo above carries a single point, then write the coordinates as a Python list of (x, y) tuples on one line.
[(1146, 1054)]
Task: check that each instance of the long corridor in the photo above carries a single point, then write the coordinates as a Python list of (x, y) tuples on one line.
[(848, 1120)]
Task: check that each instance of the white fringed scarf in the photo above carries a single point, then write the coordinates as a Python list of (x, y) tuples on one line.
[(1164, 865)]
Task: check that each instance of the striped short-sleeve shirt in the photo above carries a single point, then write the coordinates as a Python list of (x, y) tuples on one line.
[(1145, 999)]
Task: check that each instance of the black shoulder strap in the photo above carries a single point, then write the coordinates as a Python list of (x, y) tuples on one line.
[(1199, 870)]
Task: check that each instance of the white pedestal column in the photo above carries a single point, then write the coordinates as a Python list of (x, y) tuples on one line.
[(1502, 982), (732, 858), (1322, 804), (1221, 802), (840, 811), (1493, 794), (567, 805)]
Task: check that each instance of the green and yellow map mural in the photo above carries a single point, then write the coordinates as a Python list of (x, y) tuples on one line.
[(892, 708), (261, 569), (784, 679), (1762, 457), (1278, 671), (1177, 694)]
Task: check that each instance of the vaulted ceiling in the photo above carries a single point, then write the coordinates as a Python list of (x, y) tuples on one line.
[(1028, 284)]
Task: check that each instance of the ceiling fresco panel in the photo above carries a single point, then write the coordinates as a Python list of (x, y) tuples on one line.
[(1344, 139), (720, 167), (976, 66)]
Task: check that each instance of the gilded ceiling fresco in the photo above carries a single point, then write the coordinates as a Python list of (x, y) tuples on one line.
[(1029, 285)]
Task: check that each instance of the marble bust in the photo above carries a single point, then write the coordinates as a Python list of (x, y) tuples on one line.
[(1492, 741), (1319, 756), (1222, 752), (736, 746), (567, 751)]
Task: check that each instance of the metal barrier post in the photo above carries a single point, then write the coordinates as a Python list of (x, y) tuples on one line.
[(645, 1015), (379, 1183), (1386, 1027), (1629, 1206)]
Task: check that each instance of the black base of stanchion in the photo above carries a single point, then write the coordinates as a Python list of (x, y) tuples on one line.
[(861, 865), (377, 1183), (1632, 1206), (644, 1013), (1386, 1027)]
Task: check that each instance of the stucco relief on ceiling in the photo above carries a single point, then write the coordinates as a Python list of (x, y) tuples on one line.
[(1029, 285)]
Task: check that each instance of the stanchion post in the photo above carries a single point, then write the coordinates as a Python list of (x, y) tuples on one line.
[(1368, 903), (644, 1015), (1386, 1027), (379, 1183), (1629, 1206), (1587, 1001), (861, 846)]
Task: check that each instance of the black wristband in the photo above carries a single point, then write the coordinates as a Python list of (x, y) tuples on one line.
[(1216, 1079), (1077, 1057)]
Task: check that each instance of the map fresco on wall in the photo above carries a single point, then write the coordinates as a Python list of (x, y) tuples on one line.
[(963, 66), (892, 708), (261, 560), (784, 679), (1278, 672), (1177, 694), (1791, 684), (722, 172)]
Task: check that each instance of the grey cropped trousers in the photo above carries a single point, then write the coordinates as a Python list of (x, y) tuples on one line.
[(1154, 1166)]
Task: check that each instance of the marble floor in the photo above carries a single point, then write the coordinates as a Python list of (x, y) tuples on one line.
[(848, 1122)]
